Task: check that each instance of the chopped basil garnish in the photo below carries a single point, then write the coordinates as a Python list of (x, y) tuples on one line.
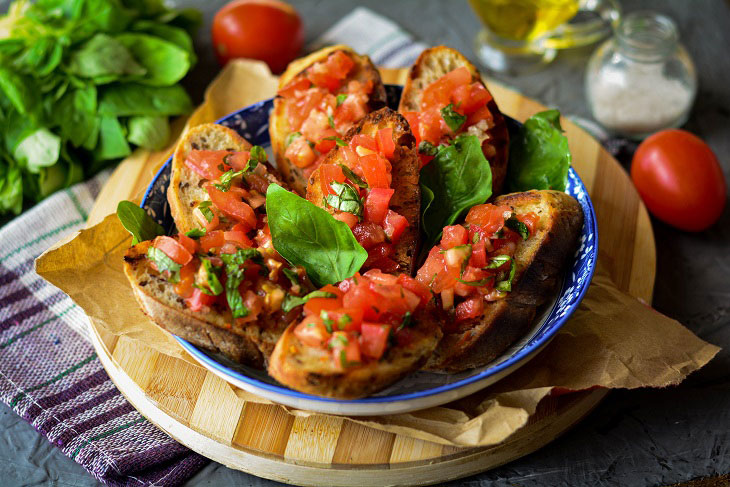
[(291, 301), (356, 180), (480, 282), (164, 263), (291, 275), (137, 222), (346, 198), (227, 178), (506, 285), (344, 320), (514, 224), (331, 121), (498, 261), (427, 148), (291, 138), (341, 99), (204, 208), (337, 140), (235, 268), (452, 118), (338, 341), (326, 320), (256, 155), (212, 285), (406, 322), (196, 233)]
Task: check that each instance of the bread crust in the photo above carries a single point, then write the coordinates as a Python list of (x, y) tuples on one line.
[(430, 66), (278, 124), (540, 261)]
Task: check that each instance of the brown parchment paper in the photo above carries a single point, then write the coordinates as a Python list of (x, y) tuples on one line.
[(612, 341)]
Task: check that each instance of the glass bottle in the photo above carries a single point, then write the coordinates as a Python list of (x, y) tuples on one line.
[(642, 80)]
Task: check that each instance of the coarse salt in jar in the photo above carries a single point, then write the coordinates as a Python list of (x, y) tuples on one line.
[(642, 80)]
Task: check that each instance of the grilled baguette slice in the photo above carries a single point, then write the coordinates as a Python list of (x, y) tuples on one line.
[(430, 66), (278, 123), (186, 190), (250, 344), (310, 370), (540, 261), (405, 165)]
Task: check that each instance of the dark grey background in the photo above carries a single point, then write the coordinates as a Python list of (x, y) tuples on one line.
[(636, 438)]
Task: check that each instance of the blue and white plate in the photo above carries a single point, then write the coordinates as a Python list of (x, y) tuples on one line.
[(419, 390)]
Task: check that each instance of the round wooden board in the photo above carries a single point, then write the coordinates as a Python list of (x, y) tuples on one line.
[(203, 412)]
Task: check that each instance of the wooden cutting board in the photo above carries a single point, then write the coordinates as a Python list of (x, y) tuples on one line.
[(201, 411)]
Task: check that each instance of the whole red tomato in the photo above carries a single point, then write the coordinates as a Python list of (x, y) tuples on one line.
[(268, 30), (679, 179)]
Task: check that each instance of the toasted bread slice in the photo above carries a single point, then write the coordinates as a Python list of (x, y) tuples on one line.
[(186, 190), (405, 165), (539, 260), (250, 344), (310, 370), (279, 128), (430, 66)]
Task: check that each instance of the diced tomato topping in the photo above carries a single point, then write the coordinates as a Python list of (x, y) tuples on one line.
[(478, 98), (362, 140), (206, 162), (385, 143), (531, 220), (324, 146), (347, 355), (473, 275), (312, 332), (453, 236), (329, 173), (315, 126), (316, 305), (347, 218), (300, 153), (376, 170), (478, 254), (173, 249), (184, 288), (212, 240), (379, 258), (190, 244), (482, 113), (488, 216), (416, 287), (340, 64), (470, 308), (368, 234), (350, 157), (394, 226), (374, 339), (359, 295), (232, 206), (345, 319), (439, 92), (238, 237), (199, 300), (354, 108), (238, 160), (376, 204), (297, 84), (429, 128)]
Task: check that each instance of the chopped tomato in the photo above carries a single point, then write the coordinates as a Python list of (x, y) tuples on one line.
[(470, 308), (362, 140), (413, 122), (531, 220), (489, 217), (312, 332), (376, 170), (355, 107), (184, 288), (478, 98), (347, 218), (374, 339), (368, 234), (438, 93), (429, 127), (190, 244), (376, 204), (482, 113), (199, 300), (173, 249), (385, 143), (414, 286), (212, 240), (394, 226), (379, 258), (478, 254), (315, 126), (325, 144), (206, 162), (232, 206), (473, 275), (238, 237), (329, 173), (300, 153), (297, 84), (345, 350), (339, 64), (345, 319), (454, 235), (436, 274), (350, 157), (315, 305), (359, 295), (238, 160)]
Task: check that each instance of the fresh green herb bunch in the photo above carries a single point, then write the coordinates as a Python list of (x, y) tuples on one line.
[(81, 83)]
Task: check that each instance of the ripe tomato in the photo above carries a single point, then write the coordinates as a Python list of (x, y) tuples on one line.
[(680, 180), (268, 30)]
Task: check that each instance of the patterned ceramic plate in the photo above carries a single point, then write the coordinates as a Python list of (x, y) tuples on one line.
[(419, 390)]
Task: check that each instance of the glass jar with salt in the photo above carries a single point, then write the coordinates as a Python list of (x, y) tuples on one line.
[(642, 80)]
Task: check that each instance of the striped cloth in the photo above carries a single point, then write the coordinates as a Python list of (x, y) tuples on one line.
[(49, 373)]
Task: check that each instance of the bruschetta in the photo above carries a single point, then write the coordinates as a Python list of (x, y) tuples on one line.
[(370, 332), (370, 182), (492, 273), (320, 97), (445, 96)]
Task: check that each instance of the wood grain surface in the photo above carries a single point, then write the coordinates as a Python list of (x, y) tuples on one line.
[(202, 411)]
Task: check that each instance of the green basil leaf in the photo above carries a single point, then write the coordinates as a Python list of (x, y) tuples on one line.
[(346, 198), (452, 118), (196, 233), (354, 178), (11, 189), (514, 224), (291, 138), (506, 285), (170, 33), (341, 99), (212, 285), (257, 154), (456, 179), (337, 140), (291, 275), (149, 132), (75, 113), (125, 99), (204, 208), (227, 178), (104, 59), (290, 301), (498, 261), (308, 236), (427, 148), (331, 121), (539, 155), (235, 266), (164, 263), (480, 282), (112, 140), (407, 321), (137, 222), (39, 149), (165, 63)]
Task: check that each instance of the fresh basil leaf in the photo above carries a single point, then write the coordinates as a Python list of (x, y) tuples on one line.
[(164, 263), (104, 59), (290, 301), (514, 224), (452, 118), (11, 189), (149, 132), (498, 261), (337, 140), (407, 321), (291, 138), (227, 178), (308, 236), (341, 99), (539, 155), (39, 149), (235, 268), (354, 178), (128, 99), (331, 121), (212, 286), (170, 33), (75, 113), (196, 233), (427, 148), (346, 198), (112, 140), (480, 282), (165, 63), (456, 179), (506, 285), (204, 208), (258, 154), (291, 275), (19, 91), (137, 222)]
